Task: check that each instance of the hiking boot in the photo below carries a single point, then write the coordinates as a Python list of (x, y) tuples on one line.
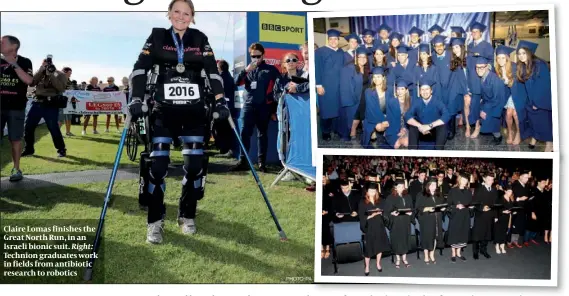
[(61, 153), (16, 175), (155, 232), (188, 225)]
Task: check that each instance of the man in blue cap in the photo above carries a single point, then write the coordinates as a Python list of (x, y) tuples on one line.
[(441, 58), (405, 68), (436, 30), (353, 42), (493, 99), (457, 32), (368, 38), (478, 47), (427, 117), (414, 41), (329, 61), (384, 31)]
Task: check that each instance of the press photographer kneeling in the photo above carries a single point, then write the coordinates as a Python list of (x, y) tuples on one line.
[(50, 84)]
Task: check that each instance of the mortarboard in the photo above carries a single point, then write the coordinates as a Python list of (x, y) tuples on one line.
[(458, 30), (465, 175), (541, 177), (383, 47), (524, 172), (353, 36), (368, 32), (424, 48), (396, 35), (384, 27), (378, 71), (439, 39), (436, 28), (477, 26), (333, 33), (361, 50), (425, 81), (481, 60), (371, 186), (457, 41), (529, 45), (402, 83), (416, 30), (403, 49), (505, 50), (344, 182)]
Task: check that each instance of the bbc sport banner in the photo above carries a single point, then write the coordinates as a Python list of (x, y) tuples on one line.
[(82, 102)]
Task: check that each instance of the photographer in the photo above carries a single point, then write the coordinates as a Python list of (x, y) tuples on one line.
[(66, 118), (50, 84), (15, 76)]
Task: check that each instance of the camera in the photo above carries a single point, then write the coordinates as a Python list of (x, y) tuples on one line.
[(50, 67)]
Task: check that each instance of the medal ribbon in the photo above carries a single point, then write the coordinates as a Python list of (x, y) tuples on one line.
[(179, 49)]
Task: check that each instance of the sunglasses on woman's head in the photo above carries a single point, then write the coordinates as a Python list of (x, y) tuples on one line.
[(256, 56), (291, 60)]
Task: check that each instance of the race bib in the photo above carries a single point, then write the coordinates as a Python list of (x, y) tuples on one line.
[(254, 85), (181, 91)]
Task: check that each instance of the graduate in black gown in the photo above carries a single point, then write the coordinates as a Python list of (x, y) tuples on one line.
[(327, 196), (345, 203), (459, 200), (521, 197), (442, 187), (400, 223), (503, 221), (537, 210), (417, 186), (547, 220), (430, 220), (484, 217), (373, 223)]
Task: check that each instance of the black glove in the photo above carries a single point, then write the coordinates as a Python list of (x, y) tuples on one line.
[(221, 109), (135, 109)]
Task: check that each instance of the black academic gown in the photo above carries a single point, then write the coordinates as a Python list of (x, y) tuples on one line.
[(430, 223), (547, 210), (327, 197), (375, 237), (459, 224), (346, 204), (484, 221), (400, 226), (501, 226), (536, 205), (519, 222), (415, 188)]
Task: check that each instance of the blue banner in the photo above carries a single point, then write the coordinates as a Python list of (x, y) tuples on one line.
[(403, 23)]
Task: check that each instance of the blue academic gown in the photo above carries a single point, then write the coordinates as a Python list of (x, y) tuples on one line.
[(443, 73), (328, 65), (520, 98), (408, 74), (538, 88), (391, 60), (347, 56), (350, 95), (426, 114), (474, 83), (457, 88), (431, 74), (493, 101), (373, 115), (394, 119), (413, 54)]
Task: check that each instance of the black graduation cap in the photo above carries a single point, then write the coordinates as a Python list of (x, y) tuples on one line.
[(344, 182), (465, 175), (488, 174), (371, 185), (507, 187), (541, 177), (524, 172)]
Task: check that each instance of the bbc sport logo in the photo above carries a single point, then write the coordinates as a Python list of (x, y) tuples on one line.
[(281, 28)]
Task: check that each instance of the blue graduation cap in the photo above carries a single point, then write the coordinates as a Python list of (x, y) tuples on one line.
[(403, 49), (436, 28), (401, 82), (458, 30), (384, 27), (368, 32), (333, 33), (505, 50), (439, 39), (477, 26), (457, 41), (416, 30), (482, 60), (378, 71), (361, 50), (529, 45), (426, 81), (353, 36), (396, 35), (383, 47), (423, 47)]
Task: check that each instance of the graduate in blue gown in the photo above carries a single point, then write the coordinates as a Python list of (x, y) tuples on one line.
[(516, 114), (414, 42), (435, 31), (536, 75), (426, 118), (457, 87), (426, 69), (369, 41), (441, 59), (405, 69), (396, 40), (351, 86), (383, 32), (493, 99), (328, 61), (478, 47), (354, 41), (398, 103), (457, 32), (376, 97)]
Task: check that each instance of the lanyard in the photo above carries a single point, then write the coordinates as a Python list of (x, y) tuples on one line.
[(180, 51)]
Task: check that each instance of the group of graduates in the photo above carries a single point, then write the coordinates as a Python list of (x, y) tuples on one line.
[(410, 95), (445, 209)]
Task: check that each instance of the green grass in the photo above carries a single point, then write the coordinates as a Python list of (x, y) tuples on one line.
[(237, 241)]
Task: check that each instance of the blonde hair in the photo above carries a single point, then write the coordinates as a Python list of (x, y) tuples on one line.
[(508, 67), (190, 4)]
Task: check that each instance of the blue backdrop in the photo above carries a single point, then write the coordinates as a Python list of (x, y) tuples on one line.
[(403, 23)]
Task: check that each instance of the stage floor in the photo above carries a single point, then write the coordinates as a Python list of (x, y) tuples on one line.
[(533, 262)]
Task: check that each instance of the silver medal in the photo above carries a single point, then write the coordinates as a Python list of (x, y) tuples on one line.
[(180, 68)]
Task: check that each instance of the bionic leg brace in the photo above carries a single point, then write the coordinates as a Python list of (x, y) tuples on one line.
[(195, 169), (158, 171)]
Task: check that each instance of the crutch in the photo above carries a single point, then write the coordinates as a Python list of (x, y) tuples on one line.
[(244, 151)]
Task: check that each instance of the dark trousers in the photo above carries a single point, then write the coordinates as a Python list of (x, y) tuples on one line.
[(224, 135), (438, 134), (327, 126), (480, 247), (51, 117), (259, 117), (529, 235), (190, 125)]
